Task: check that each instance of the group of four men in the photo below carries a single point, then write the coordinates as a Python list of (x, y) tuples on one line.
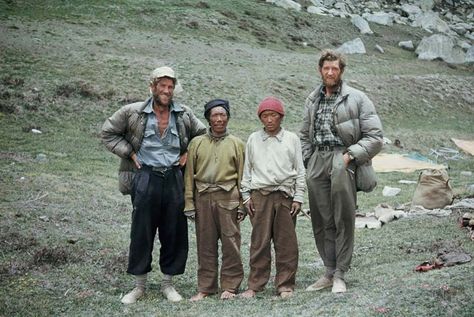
[(224, 180)]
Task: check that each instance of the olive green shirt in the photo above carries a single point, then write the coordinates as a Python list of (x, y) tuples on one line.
[(213, 163)]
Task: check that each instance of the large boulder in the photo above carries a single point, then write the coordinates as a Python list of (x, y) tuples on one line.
[(287, 4), (355, 46), (317, 10), (432, 22), (411, 10), (470, 55), (406, 45), (440, 46), (379, 18), (361, 24)]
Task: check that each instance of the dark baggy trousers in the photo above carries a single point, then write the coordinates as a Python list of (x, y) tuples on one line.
[(158, 203), (332, 200)]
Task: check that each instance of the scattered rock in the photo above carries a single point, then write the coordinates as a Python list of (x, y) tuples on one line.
[(390, 191), (434, 16), (379, 18), (361, 24), (407, 45), (41, 158), (440, 46), (286, 4), (367, 222), (470, 188), (355, 46)]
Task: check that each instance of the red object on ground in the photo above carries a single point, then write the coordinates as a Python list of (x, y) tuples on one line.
[(427, 266)]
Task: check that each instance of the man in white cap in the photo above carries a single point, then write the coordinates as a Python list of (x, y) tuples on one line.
[(151, 138)]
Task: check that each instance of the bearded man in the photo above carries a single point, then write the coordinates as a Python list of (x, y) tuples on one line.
[(341, 132), (151, 138)]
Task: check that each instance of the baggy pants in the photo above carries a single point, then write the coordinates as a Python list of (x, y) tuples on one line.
[(272, 221), (332, 201), (158, 203), (216, 219)]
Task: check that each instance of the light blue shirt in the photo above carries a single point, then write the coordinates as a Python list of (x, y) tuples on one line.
[(156, 150)]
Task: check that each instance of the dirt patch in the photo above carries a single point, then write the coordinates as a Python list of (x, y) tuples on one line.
[(83, 89), (17, 157), (54, 256), (116, 263), (16, 242)]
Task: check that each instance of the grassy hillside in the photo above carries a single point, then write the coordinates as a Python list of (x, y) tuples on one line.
[(64, 228)]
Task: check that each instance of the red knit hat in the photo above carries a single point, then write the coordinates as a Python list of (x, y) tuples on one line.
[(271, 103)]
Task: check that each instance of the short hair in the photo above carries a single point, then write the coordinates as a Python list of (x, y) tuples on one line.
[(330, 56)]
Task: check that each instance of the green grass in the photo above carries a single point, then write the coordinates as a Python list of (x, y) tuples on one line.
[(64, 227)]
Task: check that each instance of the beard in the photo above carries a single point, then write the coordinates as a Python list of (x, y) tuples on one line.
[(162, 100), (332, 82)]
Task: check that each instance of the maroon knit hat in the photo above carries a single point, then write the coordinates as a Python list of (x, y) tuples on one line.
[(271, 103)]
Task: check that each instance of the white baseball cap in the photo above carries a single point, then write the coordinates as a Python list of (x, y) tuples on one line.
[(165, 71)]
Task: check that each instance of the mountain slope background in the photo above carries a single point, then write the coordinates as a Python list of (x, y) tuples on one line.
[(66, 66)]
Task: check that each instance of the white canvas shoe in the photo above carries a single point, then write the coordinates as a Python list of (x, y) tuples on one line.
[(322, 283), (339, 286), (133, 296), (171, 294)]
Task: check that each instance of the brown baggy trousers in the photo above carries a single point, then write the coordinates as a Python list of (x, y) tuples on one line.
[(216, 219), (272, 221), (332, 200)]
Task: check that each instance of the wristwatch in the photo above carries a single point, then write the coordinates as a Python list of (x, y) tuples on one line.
[(350, 156)]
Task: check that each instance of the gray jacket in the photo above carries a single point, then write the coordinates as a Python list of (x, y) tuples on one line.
[(123, 133), (355, 120)]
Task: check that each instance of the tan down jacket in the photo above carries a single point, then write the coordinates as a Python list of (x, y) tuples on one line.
[(355, 120), (123, 132)]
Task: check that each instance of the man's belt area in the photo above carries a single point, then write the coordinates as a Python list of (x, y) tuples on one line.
[(208, 187), (329, 148), (160, 169)]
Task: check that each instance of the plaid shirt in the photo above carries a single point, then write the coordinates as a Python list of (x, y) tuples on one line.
[(324, 130)]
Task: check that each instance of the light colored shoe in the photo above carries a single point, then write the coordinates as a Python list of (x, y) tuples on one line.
[(286, 294), (171, 294), (133, 296), (339, 286), (322, 283)]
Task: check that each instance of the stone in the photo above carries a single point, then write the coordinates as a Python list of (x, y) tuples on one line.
[(432, 22), (390, 191), (361, 24), (379, 18), (286, 4), (355, 46), (440, 46), (407, 45)]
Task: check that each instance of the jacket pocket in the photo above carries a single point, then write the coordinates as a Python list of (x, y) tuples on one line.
[(366, 179), (125, 182)]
